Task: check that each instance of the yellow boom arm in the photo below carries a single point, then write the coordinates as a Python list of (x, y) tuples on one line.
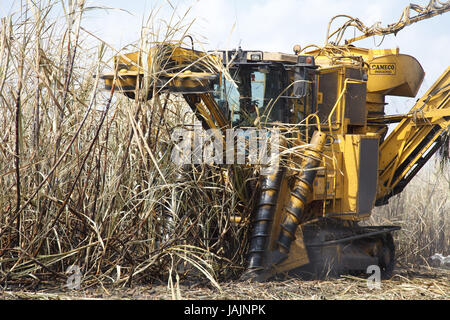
[(414, 140)]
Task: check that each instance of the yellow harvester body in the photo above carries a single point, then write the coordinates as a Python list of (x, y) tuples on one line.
[(333, 99)]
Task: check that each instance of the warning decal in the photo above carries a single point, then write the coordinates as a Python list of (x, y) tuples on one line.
[(382, 68)]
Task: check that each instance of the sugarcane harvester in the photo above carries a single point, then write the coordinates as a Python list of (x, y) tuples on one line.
[(332, 100)]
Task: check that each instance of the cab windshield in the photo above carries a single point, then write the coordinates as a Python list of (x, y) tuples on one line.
[(254, 94)]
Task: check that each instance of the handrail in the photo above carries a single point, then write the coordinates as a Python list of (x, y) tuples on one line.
[(313, 115), (342, 113)]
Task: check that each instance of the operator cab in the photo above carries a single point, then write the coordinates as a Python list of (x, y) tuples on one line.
[(266, 88)]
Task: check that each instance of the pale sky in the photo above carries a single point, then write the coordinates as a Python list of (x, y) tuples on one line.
[(274, 25)]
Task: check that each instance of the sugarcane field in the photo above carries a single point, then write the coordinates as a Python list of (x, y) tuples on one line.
[(224, 150)]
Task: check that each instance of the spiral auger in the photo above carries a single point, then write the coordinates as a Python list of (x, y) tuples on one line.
[(262, 223), (260, 260), (303, 187)]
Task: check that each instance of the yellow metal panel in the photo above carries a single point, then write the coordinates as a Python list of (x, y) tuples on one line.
[(331, 187), (398, 75), (350, 144), (298, 256), (382, 52), (348, 180), (130, 61)]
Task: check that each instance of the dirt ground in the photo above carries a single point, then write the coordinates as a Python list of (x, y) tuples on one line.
[(406, 284)]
